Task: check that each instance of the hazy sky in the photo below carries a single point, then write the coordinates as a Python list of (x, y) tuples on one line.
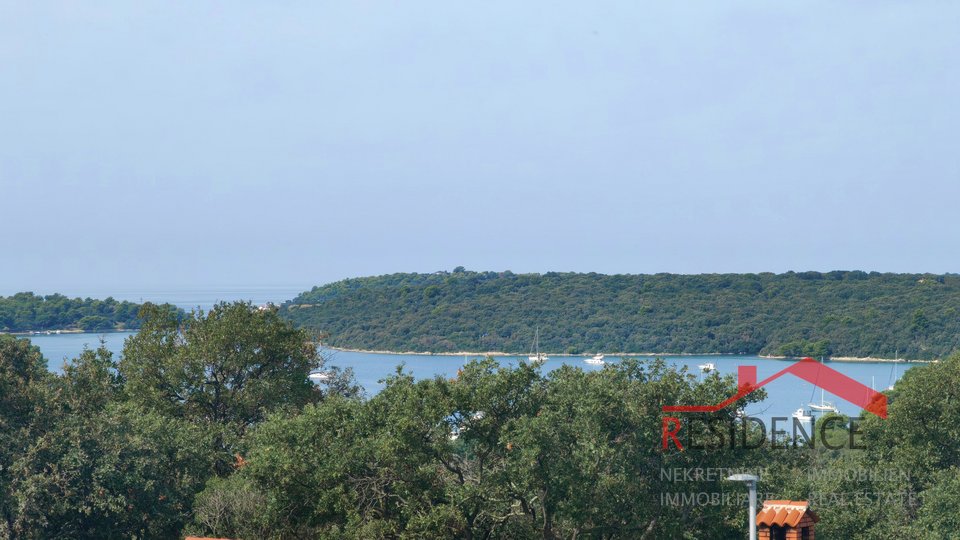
[(233, 143)]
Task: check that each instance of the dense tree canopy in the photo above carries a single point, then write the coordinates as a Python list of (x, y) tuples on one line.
[(228, 368), (25, 396), (26, 312), (792, 314), (494, 453), (234, 364)]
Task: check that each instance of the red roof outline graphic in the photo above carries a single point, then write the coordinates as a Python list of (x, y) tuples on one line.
[(809, 370)]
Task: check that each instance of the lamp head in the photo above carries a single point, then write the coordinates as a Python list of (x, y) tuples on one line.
[(743, 478)]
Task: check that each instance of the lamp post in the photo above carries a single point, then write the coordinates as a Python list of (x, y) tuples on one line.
[(751, 482)]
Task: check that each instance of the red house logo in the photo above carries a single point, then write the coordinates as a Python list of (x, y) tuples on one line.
[(809, 370)]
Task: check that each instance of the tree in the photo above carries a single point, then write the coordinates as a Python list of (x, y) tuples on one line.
[(939, 516), (227, 369), (89, 383), (498, 452), (122, 472), (25, 391), (232, 507)]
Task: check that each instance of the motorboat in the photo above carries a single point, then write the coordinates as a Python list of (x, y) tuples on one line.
[(320, 376), (596, 360), (708, 366), (802, 415)]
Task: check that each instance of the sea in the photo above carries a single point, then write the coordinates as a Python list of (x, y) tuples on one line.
[(785, 394)]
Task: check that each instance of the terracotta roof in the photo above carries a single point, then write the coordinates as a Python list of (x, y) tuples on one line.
[(784, 513)]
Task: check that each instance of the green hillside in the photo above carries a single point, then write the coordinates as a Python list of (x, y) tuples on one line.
[(808, 313)]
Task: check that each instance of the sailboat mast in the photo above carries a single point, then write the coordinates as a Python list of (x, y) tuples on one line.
[(821, 388)]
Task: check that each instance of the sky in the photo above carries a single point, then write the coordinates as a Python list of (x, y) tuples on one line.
[(164, 144)]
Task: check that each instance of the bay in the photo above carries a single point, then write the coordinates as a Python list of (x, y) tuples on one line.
[(785, 394)]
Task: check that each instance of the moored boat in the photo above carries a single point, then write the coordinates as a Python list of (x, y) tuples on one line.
[(596, 360)]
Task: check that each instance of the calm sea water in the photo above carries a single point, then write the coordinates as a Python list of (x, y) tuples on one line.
[(786, 394), (57, 348)]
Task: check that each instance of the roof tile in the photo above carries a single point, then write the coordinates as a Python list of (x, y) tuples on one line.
[(784, 513)]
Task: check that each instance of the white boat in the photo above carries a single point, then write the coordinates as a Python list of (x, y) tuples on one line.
[(823, 406), (709, 366), (537, 357), (320, 376), (802, 415), (596, 360)]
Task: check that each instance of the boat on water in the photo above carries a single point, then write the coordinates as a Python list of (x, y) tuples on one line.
[(823, 406), (596, 360), (536, 356), (320, 376), (708, 366), (802, 415), (894, 376)]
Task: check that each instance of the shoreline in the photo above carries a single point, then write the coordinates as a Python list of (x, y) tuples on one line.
[(62, 331), (849, 359)]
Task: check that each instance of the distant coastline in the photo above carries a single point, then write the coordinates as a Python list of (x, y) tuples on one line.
[(66, 331), (852, 359)]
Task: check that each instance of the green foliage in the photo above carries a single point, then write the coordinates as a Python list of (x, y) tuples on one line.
[(940, 513), (26, 312), (498, 452), (228, 368), (89, 383), (230, 508), (25, 397), (120, 472), (802, 314), (801, 348), (104, 451)]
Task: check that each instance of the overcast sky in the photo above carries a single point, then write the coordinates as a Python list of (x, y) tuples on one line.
[(239, 143)]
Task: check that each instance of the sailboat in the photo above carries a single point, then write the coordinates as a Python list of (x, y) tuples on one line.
[(894, 375), (536, 356), (823, 406)]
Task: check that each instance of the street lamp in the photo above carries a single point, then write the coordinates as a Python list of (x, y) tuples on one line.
[(751, 482)]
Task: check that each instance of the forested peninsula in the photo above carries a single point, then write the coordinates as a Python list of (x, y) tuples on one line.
[(28, 312), (841, 313)]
